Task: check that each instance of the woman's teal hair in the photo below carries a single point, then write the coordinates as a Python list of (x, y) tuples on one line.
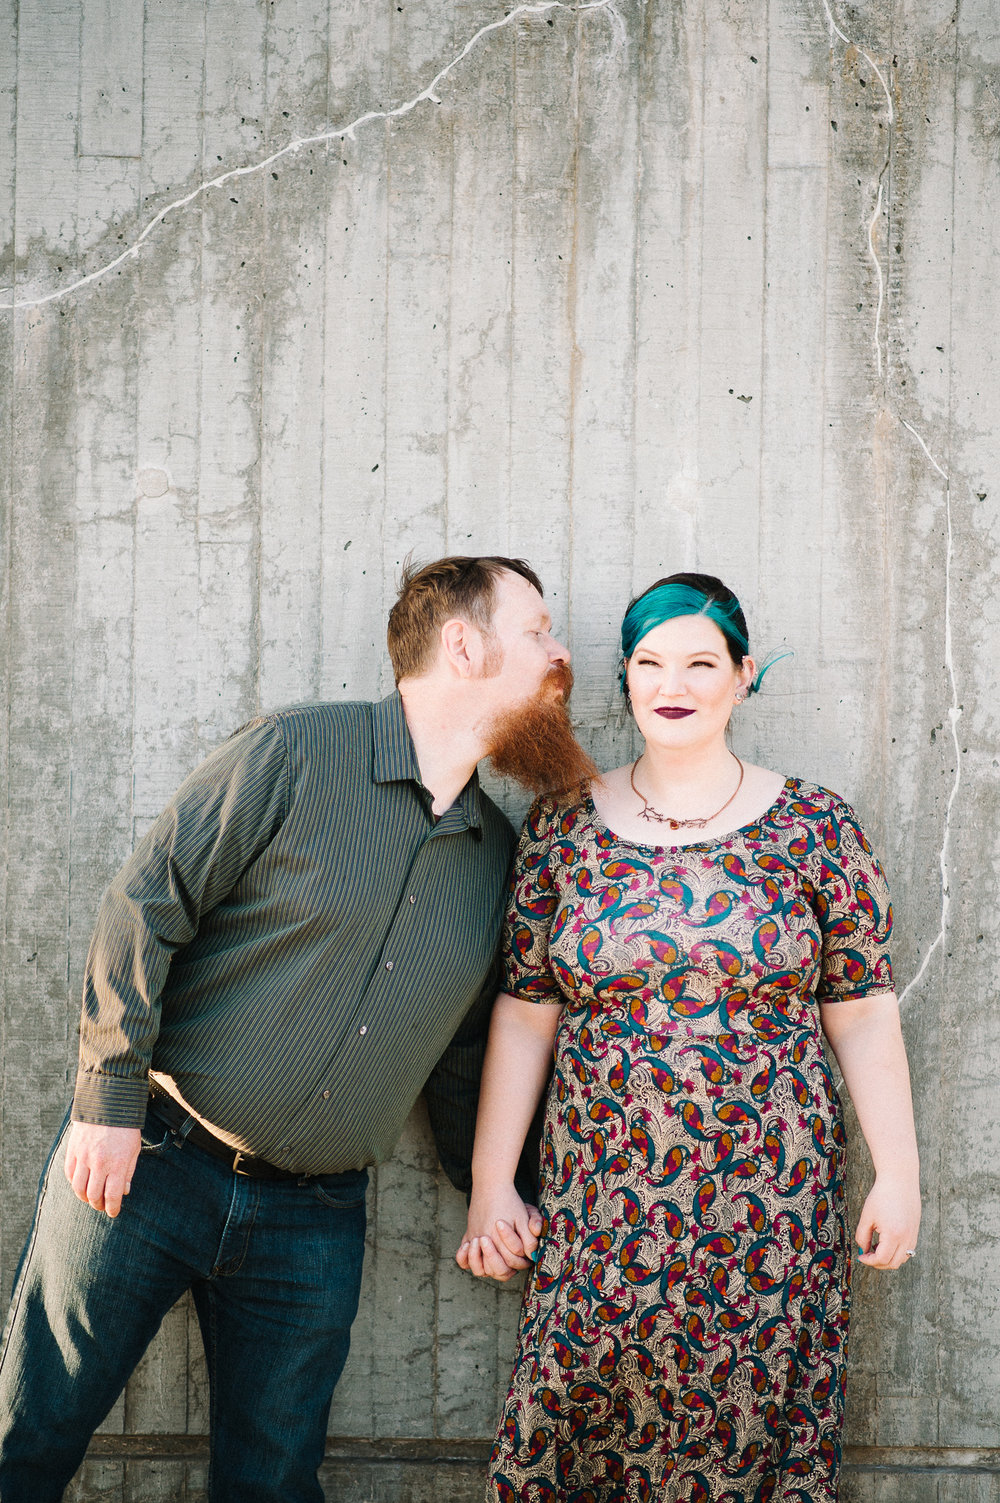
[(690, 595)]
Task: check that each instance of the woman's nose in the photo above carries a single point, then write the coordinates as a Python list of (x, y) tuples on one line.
[(672, 681)]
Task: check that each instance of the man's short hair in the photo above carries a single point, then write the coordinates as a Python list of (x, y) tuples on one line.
[(432, 595)]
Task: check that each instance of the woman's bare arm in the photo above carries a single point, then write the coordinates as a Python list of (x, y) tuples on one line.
[(501, 1236), (865, 1035)]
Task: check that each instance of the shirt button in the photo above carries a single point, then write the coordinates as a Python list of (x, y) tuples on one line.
[(412, 898), (363, 1029), (326, 1095), (388, 965)]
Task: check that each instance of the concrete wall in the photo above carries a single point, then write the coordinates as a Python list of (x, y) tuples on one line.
[(644, 285)]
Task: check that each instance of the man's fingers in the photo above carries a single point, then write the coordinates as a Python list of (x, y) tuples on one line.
[(486, 1262), (114, 1189), (81, 1182), (510, 1246)]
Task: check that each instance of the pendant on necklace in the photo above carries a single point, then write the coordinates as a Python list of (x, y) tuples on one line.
[(648, 813)]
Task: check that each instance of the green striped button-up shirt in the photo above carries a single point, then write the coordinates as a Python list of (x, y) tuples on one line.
[(295, 943)]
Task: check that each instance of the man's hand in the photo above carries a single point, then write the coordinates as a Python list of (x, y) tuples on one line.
[(100, 1162), (501, 1237)]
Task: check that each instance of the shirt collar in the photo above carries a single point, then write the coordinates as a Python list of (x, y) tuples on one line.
[(395, 761)]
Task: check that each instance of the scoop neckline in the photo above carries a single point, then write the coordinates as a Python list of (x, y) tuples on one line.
[(693, 845)]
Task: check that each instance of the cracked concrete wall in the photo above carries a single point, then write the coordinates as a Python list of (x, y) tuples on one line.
[(632, 287)]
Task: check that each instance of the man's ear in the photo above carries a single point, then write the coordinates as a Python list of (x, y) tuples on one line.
[(462, 647)]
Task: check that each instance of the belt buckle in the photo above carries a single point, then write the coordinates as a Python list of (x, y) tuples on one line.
[(238, 1164)]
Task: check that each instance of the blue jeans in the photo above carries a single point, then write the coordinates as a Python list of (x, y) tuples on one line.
[(275, 1270)]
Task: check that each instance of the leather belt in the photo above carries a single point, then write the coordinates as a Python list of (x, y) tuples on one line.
[(177, 1117)]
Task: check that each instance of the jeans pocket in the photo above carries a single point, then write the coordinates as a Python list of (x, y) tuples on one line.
[(154, 1137), (341, 1192)]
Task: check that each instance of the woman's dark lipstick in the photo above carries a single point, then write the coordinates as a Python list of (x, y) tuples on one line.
[(672, 712)]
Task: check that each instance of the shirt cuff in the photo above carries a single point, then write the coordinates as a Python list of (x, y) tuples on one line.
[(110, 1100)]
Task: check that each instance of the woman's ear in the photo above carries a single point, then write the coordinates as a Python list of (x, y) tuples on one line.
[(745, 678)]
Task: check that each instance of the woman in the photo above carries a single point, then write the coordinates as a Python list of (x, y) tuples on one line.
[(688, 927)]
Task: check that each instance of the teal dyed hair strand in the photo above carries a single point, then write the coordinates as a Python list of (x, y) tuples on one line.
[(670, 600)]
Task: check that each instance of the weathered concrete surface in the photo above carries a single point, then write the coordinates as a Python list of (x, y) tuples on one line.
[(652, 286)]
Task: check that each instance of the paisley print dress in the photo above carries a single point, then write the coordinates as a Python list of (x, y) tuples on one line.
[(684, 1329)]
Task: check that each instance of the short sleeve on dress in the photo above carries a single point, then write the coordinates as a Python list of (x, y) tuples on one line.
[(851, 902), (531, 908)]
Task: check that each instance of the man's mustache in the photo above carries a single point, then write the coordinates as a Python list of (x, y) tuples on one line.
[(559, 676)]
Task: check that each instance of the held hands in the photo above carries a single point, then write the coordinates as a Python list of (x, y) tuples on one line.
[(100, 1162), (890, 1219), (501, 1236)]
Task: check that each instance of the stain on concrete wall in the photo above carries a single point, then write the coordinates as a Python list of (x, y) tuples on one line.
[(293, 289)]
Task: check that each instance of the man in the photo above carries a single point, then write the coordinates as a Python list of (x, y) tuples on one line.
[(275, 974)]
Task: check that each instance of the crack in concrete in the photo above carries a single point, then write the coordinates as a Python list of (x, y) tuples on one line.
[(955, 709), (954, 712), (338, 133)]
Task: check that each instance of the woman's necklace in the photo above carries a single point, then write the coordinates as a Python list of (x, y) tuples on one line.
[(648, 813)]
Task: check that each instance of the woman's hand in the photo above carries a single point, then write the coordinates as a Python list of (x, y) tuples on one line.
[(891, 1214), (501, 1235)]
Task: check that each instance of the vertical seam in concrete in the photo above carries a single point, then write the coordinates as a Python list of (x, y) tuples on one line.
[(511, 548), (446, 457), (643, 32), (74, 647), (200, 378), (386, 282), (575, 353), (79, 86), (764, 300), (885, 675), (637, 202), (699, 368), (8, 586), (824, 376), (316, 675), (267, 313), (940, 1261)]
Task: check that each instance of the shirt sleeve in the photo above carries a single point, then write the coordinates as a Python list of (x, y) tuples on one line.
[(531, 908), (851, 902), (221, 819)]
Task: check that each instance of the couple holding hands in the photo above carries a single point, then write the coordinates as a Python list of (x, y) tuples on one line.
[(305, 941)]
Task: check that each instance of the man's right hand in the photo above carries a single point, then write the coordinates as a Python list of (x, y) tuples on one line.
[(100, 1162)]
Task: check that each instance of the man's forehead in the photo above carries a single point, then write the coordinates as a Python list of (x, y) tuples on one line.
[(514, 593)]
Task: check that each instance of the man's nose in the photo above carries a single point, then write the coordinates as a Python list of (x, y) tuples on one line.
[(557, 652)]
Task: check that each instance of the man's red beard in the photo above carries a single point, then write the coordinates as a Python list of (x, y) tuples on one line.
[(534, 742)]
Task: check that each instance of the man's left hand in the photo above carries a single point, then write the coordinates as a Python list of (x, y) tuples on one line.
[(100, 1162)]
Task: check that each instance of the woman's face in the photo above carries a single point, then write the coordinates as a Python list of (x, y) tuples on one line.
[(683, 683)]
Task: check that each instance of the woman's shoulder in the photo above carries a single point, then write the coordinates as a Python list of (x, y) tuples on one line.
[(832, 817), (814, 800)]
